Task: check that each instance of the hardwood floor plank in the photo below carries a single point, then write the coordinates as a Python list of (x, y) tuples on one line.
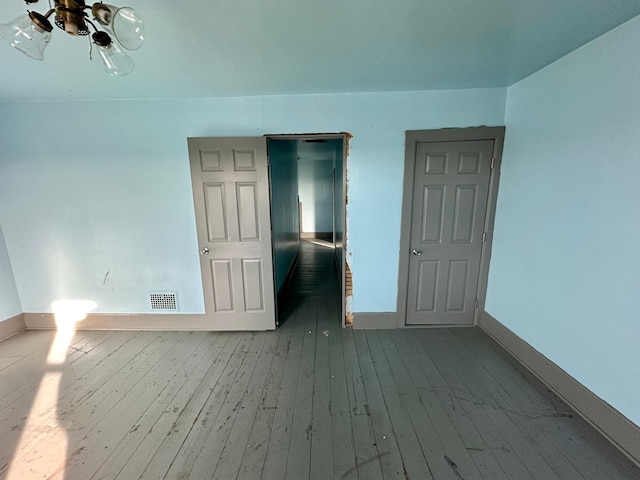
[(18, 347), (299, 456), (498, 394), (342, 403), (570, 446), (182, 445), (420, 409), (254, 455), (147, 382), (227, 412), (470, 390), (385, 439), (404, 409), (29, 370), (437, 401), (238, 440), (53, 407), (39, 373), (322, 461), (145, 436), (279, 438), (367, 460)]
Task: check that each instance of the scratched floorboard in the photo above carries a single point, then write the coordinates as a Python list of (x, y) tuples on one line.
[(308, 401)]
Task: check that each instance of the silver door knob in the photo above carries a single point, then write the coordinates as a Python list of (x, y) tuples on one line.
[(204, 251), (416, 252)]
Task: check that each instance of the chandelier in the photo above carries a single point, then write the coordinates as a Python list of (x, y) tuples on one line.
[(120, 28)]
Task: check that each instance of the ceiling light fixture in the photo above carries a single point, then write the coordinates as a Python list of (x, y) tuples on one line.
[(121, 27)]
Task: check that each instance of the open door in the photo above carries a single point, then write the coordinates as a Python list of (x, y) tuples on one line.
[(231, 196)]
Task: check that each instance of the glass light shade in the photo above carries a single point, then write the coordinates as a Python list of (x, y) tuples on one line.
[(116, 62), (22, 33), (123, 23)]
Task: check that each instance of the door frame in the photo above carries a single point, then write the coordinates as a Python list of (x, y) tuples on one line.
[(343, 204), (446, 135)]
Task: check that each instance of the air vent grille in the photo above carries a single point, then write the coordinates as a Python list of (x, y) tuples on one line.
[(163, 301)]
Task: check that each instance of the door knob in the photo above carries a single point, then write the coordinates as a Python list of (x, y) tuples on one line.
[(416, 252), (204, 251)]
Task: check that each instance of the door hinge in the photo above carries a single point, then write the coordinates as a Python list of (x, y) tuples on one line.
[(492, 162), (484, 236), (476, 303)]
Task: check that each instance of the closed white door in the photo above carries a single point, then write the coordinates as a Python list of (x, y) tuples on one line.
[(231, 196), (449, 204)]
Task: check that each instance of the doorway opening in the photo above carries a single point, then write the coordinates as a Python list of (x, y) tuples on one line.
[(307, 182)]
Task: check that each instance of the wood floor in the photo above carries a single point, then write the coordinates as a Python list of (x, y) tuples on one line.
[(310, 400)]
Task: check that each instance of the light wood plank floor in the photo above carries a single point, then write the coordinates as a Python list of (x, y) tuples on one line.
[(310, 400)]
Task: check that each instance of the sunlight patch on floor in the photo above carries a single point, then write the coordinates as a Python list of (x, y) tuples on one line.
[(43, 438), (322, 243)]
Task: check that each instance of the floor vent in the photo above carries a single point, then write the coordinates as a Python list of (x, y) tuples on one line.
[(163, 301)]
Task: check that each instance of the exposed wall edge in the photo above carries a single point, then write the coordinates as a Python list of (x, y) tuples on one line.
[(621, 431), (142, 321), (382, 320), (12, 326)]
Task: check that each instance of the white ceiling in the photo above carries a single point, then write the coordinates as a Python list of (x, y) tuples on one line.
[(203, 48)]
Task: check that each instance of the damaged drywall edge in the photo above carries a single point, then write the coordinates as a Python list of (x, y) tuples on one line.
[(348, 318), (348, 287)]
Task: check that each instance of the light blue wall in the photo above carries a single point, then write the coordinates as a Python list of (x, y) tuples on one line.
[(90, 188), (315, 184), (284, 207), (565, 270), (9, 300)]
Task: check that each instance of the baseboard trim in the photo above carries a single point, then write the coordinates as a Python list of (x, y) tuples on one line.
[(375, 321), (620, 431), (143, 321), (12, 326)]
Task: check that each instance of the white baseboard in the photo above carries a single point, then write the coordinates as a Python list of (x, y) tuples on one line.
[(621, 431), (12, 326), (382, 320), (112, 321)]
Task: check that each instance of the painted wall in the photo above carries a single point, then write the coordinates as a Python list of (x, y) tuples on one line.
[(284, 206), (107, 215), (565, 270), (338, 234), (9, 300), (315, 184)]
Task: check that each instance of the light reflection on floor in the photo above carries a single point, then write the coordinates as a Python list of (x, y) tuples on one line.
[(322, 243), (43, 438)]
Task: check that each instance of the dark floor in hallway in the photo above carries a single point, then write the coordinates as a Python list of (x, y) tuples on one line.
[(315, 276)]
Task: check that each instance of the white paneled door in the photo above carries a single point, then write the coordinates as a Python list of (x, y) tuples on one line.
[(450, 192), (231, 195)]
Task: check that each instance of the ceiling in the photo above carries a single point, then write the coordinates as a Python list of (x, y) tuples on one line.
[(204, 48)]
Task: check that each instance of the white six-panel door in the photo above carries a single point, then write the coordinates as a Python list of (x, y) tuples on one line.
[(231, 196)]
